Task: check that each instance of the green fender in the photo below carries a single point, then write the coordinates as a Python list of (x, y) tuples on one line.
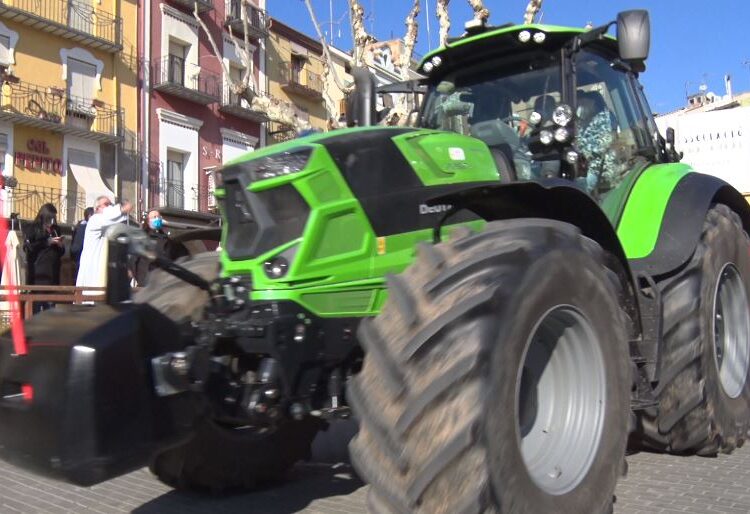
[(663, 215)]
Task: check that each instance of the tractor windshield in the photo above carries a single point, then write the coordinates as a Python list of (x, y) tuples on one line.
[(500, 103)]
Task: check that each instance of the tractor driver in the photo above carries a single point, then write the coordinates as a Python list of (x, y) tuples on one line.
[(595, 137)]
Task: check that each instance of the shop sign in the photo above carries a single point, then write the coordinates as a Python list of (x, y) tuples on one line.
[(37, 158)]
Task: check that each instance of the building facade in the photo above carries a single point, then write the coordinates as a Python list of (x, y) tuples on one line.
[(295, 75), (191, 121), (68, 103)]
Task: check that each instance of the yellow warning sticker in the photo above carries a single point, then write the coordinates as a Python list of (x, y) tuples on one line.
[(381, 245)]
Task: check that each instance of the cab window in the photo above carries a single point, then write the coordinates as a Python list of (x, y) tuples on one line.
[(611, 135)]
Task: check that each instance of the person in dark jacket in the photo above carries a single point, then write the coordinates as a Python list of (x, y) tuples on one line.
[(140, 267), (79, 232), (44, 248)]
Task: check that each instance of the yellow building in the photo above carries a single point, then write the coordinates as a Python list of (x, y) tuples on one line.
[(68, 103), (294, 67)]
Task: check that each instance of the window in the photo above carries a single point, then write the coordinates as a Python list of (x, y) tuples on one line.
[(611, 134), (81, 79), (174, 186), (81, 16), (298, 64), (235, 73), (176, 63)]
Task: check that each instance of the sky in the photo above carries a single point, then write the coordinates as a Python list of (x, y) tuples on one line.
[(693, 42)]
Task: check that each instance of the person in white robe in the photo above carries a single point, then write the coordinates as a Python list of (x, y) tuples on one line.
[(93, 268)]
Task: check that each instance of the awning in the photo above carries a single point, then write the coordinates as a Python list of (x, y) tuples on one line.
[(85, 170)]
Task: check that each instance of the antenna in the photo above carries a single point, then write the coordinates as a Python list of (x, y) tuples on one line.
[(427, 15), (330, 16)]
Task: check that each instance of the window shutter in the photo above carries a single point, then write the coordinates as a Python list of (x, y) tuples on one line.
[(4, 50), (81, 79)]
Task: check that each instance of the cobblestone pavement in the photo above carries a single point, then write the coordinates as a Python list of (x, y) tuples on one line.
[(655, 484)]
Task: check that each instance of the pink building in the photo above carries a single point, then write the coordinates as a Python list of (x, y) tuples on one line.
[(189, 121)]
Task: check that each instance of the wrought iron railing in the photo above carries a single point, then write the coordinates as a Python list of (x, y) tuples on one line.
[(257, 20), (173, 193), (27, 199), (56, 106), (229, 97), (77, 15), (203, 5), (307, 79), (174, 70)]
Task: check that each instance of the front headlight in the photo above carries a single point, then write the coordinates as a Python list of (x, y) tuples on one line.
[(562, 115), (280, 164)]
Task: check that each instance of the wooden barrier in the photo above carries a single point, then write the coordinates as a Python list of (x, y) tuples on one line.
[(28, 295)]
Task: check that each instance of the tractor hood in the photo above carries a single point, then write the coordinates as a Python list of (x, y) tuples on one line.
[(297, 208)]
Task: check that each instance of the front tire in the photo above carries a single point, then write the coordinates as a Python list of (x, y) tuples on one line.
[(704, 391), (219, 458), (496, 378)]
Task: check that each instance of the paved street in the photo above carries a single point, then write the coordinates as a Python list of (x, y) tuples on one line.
[(655, 484)]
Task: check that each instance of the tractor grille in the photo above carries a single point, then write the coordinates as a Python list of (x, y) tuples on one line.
[(259, 222)]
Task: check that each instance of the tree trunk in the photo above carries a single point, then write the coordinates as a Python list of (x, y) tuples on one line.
[(444, 20), (361, 37), (481, 13), (275, 110), (532, 10)]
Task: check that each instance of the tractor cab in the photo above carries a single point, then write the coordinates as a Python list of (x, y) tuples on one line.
[(549, 102)]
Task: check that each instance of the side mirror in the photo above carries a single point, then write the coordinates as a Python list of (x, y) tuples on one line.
[(360, 105), (634, 37)]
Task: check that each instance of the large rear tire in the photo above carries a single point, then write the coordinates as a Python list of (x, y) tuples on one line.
[(704, 391), (496, 378), (219, 457), (176, 298)]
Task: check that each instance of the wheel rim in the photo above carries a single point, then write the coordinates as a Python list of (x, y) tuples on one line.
[(561, 400), (731, 330)]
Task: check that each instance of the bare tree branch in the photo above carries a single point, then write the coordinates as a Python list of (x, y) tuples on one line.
[(481, 13), (410, 39), (444, 19), (215, 48), (345, 88), (532, 10), (249, 74), (399, 115), (274, 109), (361, 37)]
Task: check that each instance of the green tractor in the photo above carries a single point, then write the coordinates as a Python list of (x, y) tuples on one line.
[(507, 296)]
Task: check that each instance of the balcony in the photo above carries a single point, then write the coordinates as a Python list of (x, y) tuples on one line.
[(301, 82), (26, 200), (76, 20), (257, 20), (175, 76), (233, 104), (203, 5), (55, 110)]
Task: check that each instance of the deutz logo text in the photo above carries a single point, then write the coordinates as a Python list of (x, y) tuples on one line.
[(434, 209)]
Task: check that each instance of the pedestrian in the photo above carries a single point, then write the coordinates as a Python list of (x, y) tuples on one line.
[(93, 266), (76, 245), (140, 267), (44, 249)]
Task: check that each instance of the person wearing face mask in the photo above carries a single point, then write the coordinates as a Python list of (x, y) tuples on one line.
[(44, 249), (153, 224)]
